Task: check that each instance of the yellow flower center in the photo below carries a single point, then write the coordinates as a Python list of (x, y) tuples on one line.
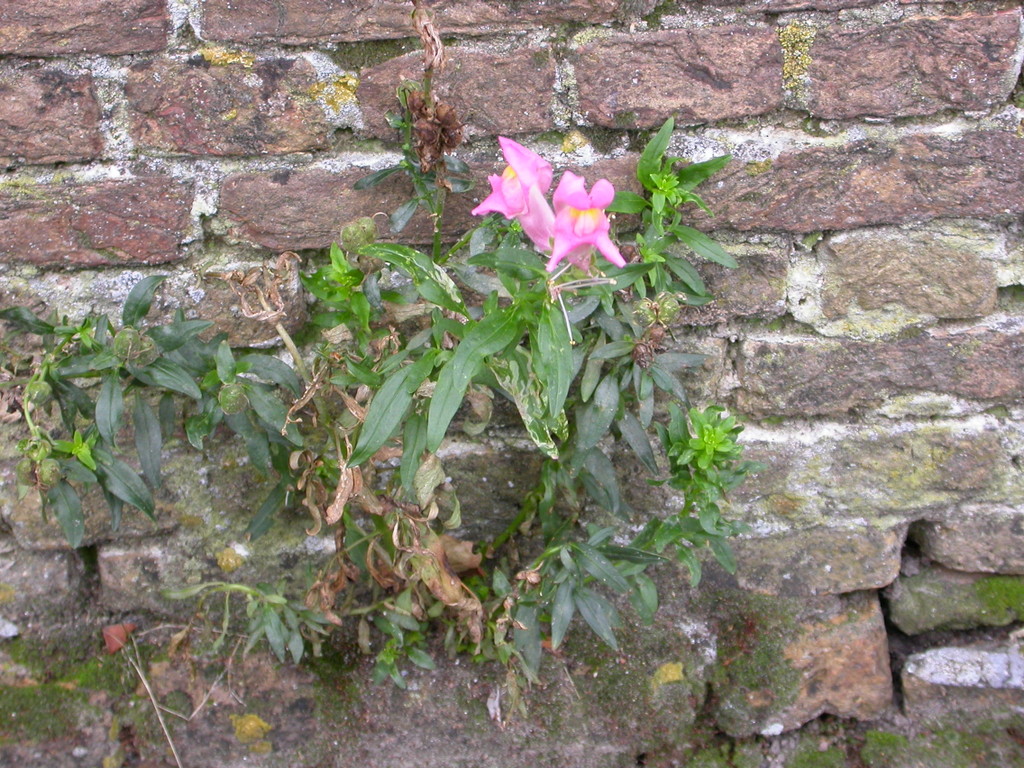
[(586, 220)]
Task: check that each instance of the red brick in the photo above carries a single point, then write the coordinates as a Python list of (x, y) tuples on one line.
[(47, 116), (914, 67), (776, 6), (919, 178), (306, 209), (816, 377), (491, 93), (56, 27), (194, 108), (139, 221), (300, 22), (698, 75)]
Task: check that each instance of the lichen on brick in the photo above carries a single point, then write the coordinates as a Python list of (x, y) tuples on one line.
[(222, 57), (796, 41)]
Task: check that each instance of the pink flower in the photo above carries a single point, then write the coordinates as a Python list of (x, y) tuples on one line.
[(581, 223), (518, 193)]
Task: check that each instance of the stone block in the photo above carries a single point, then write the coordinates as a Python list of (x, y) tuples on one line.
[(249, 107), (914, 66), (940, 599), (47, 116), (104, 223), (525, 79), (62, 27), (826, 560), (305, 22), (698, 75), (800, 376), (976, 537), (964, 683), (930, 272), (872, 182), (33, 584), (783, 662)]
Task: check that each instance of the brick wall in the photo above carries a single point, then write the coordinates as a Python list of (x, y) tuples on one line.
[(873, 336)]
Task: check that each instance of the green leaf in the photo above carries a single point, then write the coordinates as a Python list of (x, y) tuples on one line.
[(164, 373), (386, 411), (596, 417), (674, 362), (492, 334), (139, 300), (110, 407), (667, 381), (599, 614), (512, 374), (225, 363), (644, 597), (651, 159), (553, 357), (527, 639), (256, 443), (627, 202), (600, 567), (26, 321), (177, 334), (420, 658), (635, 435), (703, 245), (275, 632), (414, 442), (613, 349), (269, 368), (68, 509), (693, 174), (272, 411), (264, 517), (562, 612), (122, 481), (432, 282), (148, 440), (723, 554), (403, 214), (375, 178)]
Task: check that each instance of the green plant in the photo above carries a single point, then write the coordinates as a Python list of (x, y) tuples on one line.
[(578, 349)]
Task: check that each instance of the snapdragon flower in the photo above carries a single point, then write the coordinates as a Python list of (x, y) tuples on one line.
[(581, 223)]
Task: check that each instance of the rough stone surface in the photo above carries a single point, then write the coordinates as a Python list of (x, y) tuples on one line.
[(47, 116), (300, 22), (784, 662), (826, 475), (976, 537), (33, 583), (526, 79), (938, 598), (137, 221), (776, 6), (290, 210), (915, 66), (697, 75), (57, 27), (964, 682), (926, 270), (820, 561), (193, 107), (918, 178), (808, 375)]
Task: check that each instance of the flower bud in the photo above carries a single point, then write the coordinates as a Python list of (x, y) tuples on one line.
[(48, 473), (38, 392)]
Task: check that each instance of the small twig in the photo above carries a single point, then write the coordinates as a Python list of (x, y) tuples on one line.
[(152, 697)]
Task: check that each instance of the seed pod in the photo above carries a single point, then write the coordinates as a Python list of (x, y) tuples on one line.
[(232, 398), (25, 472), (358, 233), (48, 473), (126, 344), (38, 392)]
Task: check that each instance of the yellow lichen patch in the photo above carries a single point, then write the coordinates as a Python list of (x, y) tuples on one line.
[(261, 747), (573, 141), (796, 41), (222, 57), (672, 672), (7, 594), (229, 560), (250, 729), (758, 167), (336, 92)]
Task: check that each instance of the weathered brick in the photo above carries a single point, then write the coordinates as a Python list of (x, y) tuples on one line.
[(47, 116), (698, 75), (825, 560), (976, 537), (193, 107), (138, 221), (832, 475), (777, 6), (918, 178), (57, 27), (300, 22), (507, 94), (914, 67), (932, 271), (306, 209), (828, 655), (966, 684), (33, 583), (801, 377)]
